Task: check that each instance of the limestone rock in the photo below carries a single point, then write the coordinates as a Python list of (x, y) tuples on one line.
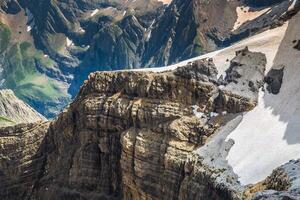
[(274, 80), (283, 183), (127, 135), (244, 78)]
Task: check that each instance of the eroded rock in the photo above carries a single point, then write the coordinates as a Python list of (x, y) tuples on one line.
[(243, 80), (283, 183), (274, 80), (132, 135)]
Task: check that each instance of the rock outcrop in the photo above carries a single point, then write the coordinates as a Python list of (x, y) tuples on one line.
[(297, 46), (244, 78), (14, 111), (131, 135), (283, 183), (274, 80)]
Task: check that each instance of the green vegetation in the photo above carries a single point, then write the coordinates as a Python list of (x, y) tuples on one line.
[(198, 49), (5, 35), (20, 62), (38, 87), (45, 61), (22, 77), (4, 119)]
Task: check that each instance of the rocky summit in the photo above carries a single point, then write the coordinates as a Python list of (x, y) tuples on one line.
[(142, 135)]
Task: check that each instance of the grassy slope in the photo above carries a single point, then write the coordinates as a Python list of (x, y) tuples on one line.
[(5, 35), (6, 120), (20, 73)]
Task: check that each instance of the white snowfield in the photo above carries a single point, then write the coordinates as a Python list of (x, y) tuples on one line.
[(269, 135), (245, 14)]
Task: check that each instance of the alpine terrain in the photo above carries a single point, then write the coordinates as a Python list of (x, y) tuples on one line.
[(49, 47), (150, 100)]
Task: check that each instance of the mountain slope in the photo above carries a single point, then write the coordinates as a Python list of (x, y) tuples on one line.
[(127, 132), (14, 111), (273, 123), (23, 66)]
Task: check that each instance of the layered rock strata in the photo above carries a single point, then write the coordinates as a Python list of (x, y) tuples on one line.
[(134, 135)]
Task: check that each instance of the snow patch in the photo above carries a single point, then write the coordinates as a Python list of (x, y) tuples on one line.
[(196, 112), (260, 146), (81, 30), (30, 22), (69, 42), (94, 12), (268, 136), (213, 114), (29, 28), (150, 30), (244, 14)]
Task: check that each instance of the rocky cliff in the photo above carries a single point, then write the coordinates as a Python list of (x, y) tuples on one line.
[(138, 135)]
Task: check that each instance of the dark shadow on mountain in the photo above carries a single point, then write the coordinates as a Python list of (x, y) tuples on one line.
[(286, 104), (262, 3)]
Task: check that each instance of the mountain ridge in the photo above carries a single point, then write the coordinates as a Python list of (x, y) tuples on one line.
[(70, 39)]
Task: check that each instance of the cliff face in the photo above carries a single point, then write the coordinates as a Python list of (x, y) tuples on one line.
[(133, 135)]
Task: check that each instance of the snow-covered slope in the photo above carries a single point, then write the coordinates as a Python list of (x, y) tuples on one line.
[(267, 42), (269, 135), (245, 14)]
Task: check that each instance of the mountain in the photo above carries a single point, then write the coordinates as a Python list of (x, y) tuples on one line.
[(220, 126), (49, 47), (14, 111)]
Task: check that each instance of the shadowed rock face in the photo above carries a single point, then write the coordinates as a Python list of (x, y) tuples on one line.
[(297, 46), (274, 80), (10, 6), (128, 135), (259, 3)]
